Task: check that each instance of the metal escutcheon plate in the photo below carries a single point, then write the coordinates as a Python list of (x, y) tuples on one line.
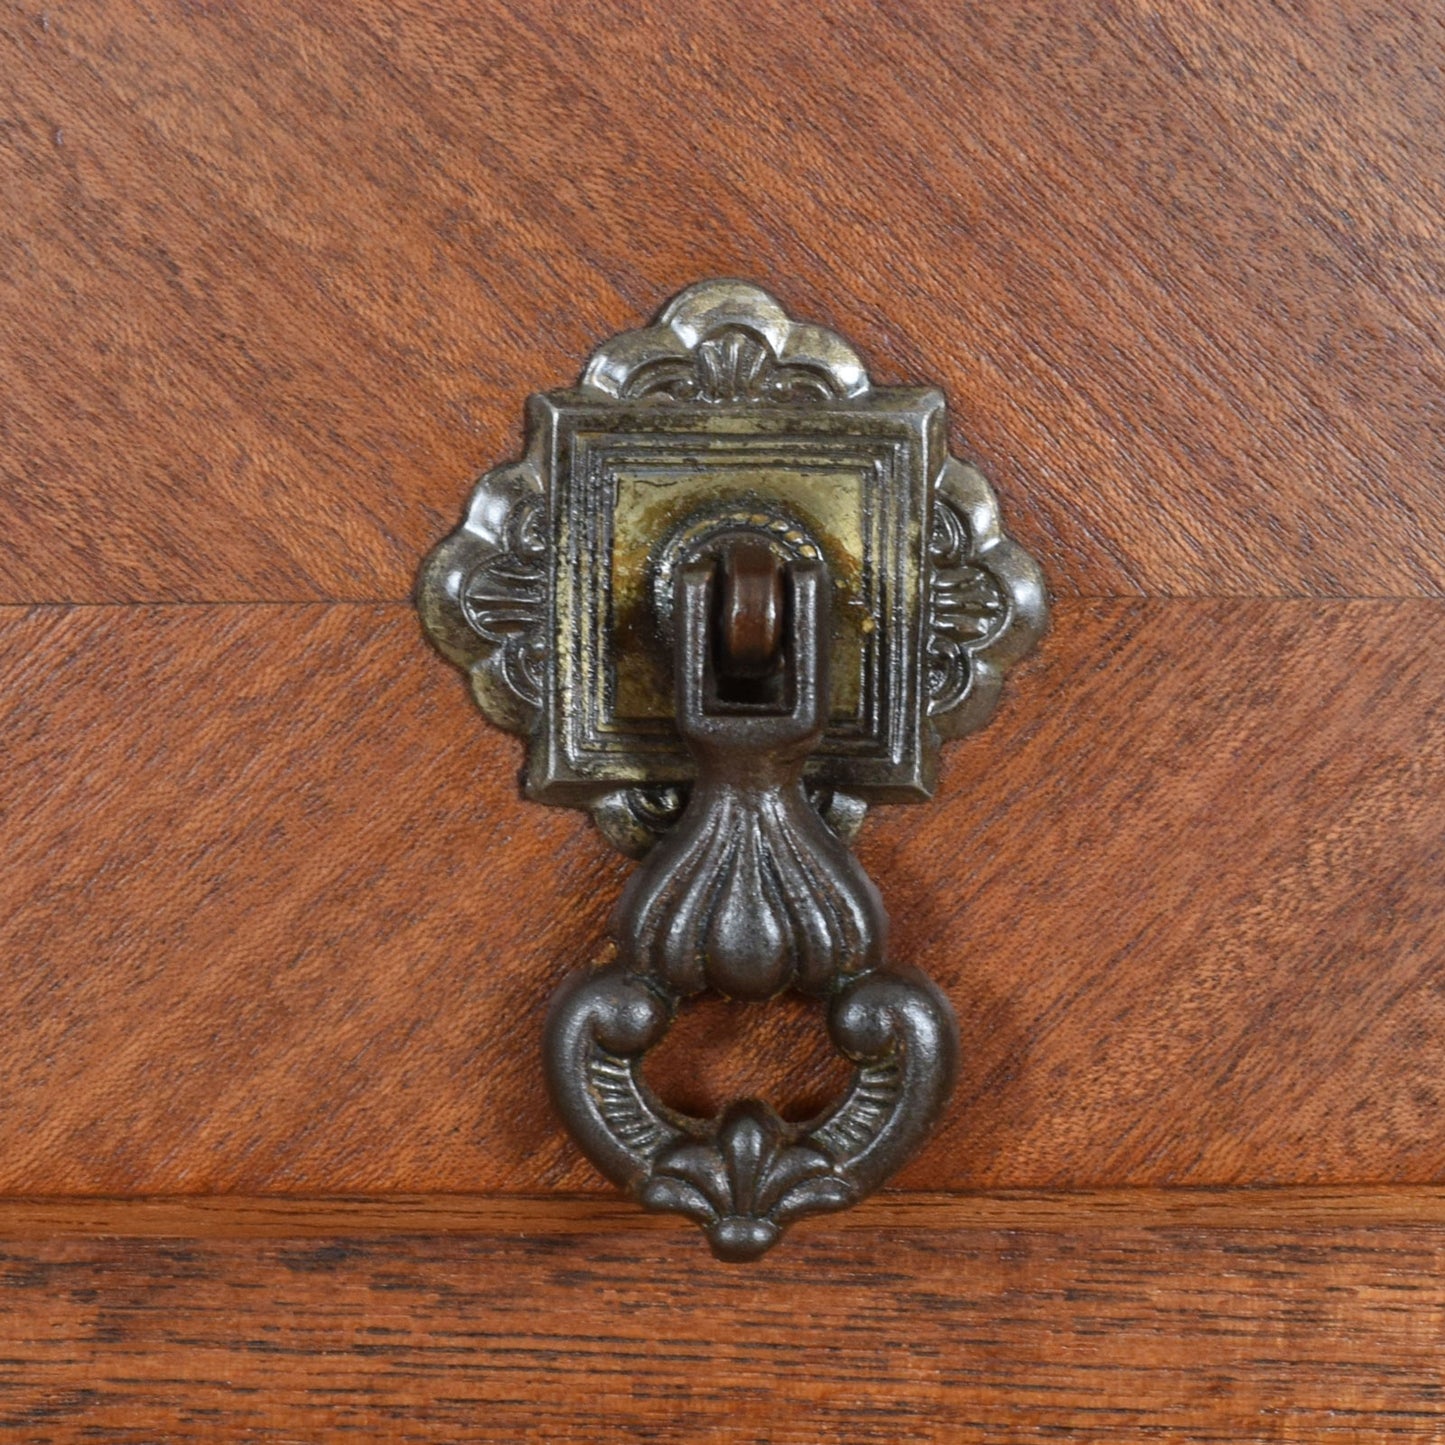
[(733, 595)]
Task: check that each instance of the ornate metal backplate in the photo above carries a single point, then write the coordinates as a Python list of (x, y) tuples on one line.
[(733, 594)]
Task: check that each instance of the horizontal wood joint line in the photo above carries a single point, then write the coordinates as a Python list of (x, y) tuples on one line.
[(221, 604), (286, 1216)]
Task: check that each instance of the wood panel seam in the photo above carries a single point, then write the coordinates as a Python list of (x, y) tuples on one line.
[(144, 604), (1249, 1207)]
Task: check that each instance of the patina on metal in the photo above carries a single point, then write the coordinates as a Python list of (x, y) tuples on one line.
[(733, 595)]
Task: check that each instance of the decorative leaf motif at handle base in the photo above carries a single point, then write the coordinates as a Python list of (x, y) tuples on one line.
[(747, 1175)]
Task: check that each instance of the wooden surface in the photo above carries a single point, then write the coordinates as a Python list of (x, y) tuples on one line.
[(273, 284), (276, 279), (294, 1216), (279, 921), (1121, 1325)]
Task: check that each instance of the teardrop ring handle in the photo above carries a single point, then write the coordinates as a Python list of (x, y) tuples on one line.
[(748, 895)]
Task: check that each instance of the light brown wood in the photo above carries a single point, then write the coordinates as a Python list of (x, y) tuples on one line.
[(277, 278), (275, 918), (1121, 1327)]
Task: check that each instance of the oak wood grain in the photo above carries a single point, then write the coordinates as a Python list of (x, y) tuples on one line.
[(275, 279), (276, 919), (1121, 1327)]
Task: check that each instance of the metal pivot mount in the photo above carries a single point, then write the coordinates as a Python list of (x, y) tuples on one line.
[(733, 595)]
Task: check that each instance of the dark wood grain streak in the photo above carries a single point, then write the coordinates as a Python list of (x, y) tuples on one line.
[(275, 918), (1119, 1330), (293, 1216), (275, 279)]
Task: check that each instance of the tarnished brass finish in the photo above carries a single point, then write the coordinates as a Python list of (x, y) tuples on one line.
[(733, 594)]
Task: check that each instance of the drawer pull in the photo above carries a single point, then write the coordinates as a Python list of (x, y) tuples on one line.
[(732, 595)]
